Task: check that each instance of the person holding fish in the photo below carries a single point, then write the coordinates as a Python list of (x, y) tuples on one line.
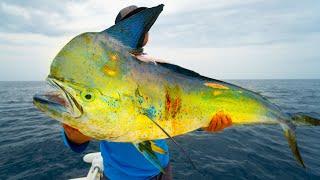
[(122, 160)]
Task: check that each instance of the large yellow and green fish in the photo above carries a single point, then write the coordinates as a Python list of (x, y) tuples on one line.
[(111, 95)]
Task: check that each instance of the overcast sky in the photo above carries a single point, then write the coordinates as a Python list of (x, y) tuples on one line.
[(222, 39)]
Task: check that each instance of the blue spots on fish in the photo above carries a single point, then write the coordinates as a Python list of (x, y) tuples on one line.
[(113, 102), (139, 96), (150, 113)]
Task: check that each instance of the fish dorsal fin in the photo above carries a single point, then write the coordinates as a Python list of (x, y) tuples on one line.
[(131, 31), (191, 74), (180, 70), (185, 72)]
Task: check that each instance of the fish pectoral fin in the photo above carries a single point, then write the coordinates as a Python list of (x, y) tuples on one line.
[(145, 148), (157, 149)]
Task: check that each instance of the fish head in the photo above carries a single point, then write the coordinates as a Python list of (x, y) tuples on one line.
[(87, 109)]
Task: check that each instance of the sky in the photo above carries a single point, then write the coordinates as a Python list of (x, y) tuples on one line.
[(234, 39)]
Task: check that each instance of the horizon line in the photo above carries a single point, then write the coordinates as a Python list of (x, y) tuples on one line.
[(216, 79)]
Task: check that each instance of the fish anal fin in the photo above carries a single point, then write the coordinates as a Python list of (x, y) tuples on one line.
[(145, 148)]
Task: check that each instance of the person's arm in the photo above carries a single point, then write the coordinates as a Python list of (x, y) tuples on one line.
[(74, 139), (219, 122)]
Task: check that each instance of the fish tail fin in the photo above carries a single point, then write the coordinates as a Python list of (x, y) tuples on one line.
[(290, 133), (304, 120)]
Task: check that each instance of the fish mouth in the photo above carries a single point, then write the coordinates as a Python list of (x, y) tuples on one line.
[(58, 102)]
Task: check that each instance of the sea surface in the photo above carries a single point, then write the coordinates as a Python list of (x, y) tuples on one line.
[(31, 146)]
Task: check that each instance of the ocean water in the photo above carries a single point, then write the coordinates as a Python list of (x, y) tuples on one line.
[(31, 146)]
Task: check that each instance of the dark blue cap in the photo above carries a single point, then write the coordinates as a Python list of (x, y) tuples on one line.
[(128, 12)]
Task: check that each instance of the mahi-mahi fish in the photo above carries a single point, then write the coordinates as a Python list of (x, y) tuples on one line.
[(107, 93)]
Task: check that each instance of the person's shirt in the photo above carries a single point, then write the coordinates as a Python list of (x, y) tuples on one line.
[(123, 160)]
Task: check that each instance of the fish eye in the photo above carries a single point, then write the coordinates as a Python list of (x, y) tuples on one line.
[(87, 96)]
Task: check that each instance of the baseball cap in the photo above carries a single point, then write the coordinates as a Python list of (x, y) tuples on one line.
[(128, 12)]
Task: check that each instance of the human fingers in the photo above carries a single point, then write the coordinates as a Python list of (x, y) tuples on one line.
[(70, 129), (212, 125), (66, 128), (68, 132), (71, 132), (218, 125), (229, 120), (224, 122)]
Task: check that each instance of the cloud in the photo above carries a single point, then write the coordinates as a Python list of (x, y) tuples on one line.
[(238, 24), (27, 56), (298, 60), (55, 18)]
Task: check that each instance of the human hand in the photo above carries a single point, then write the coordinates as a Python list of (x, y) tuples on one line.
[(219, 122), (74, 135)]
